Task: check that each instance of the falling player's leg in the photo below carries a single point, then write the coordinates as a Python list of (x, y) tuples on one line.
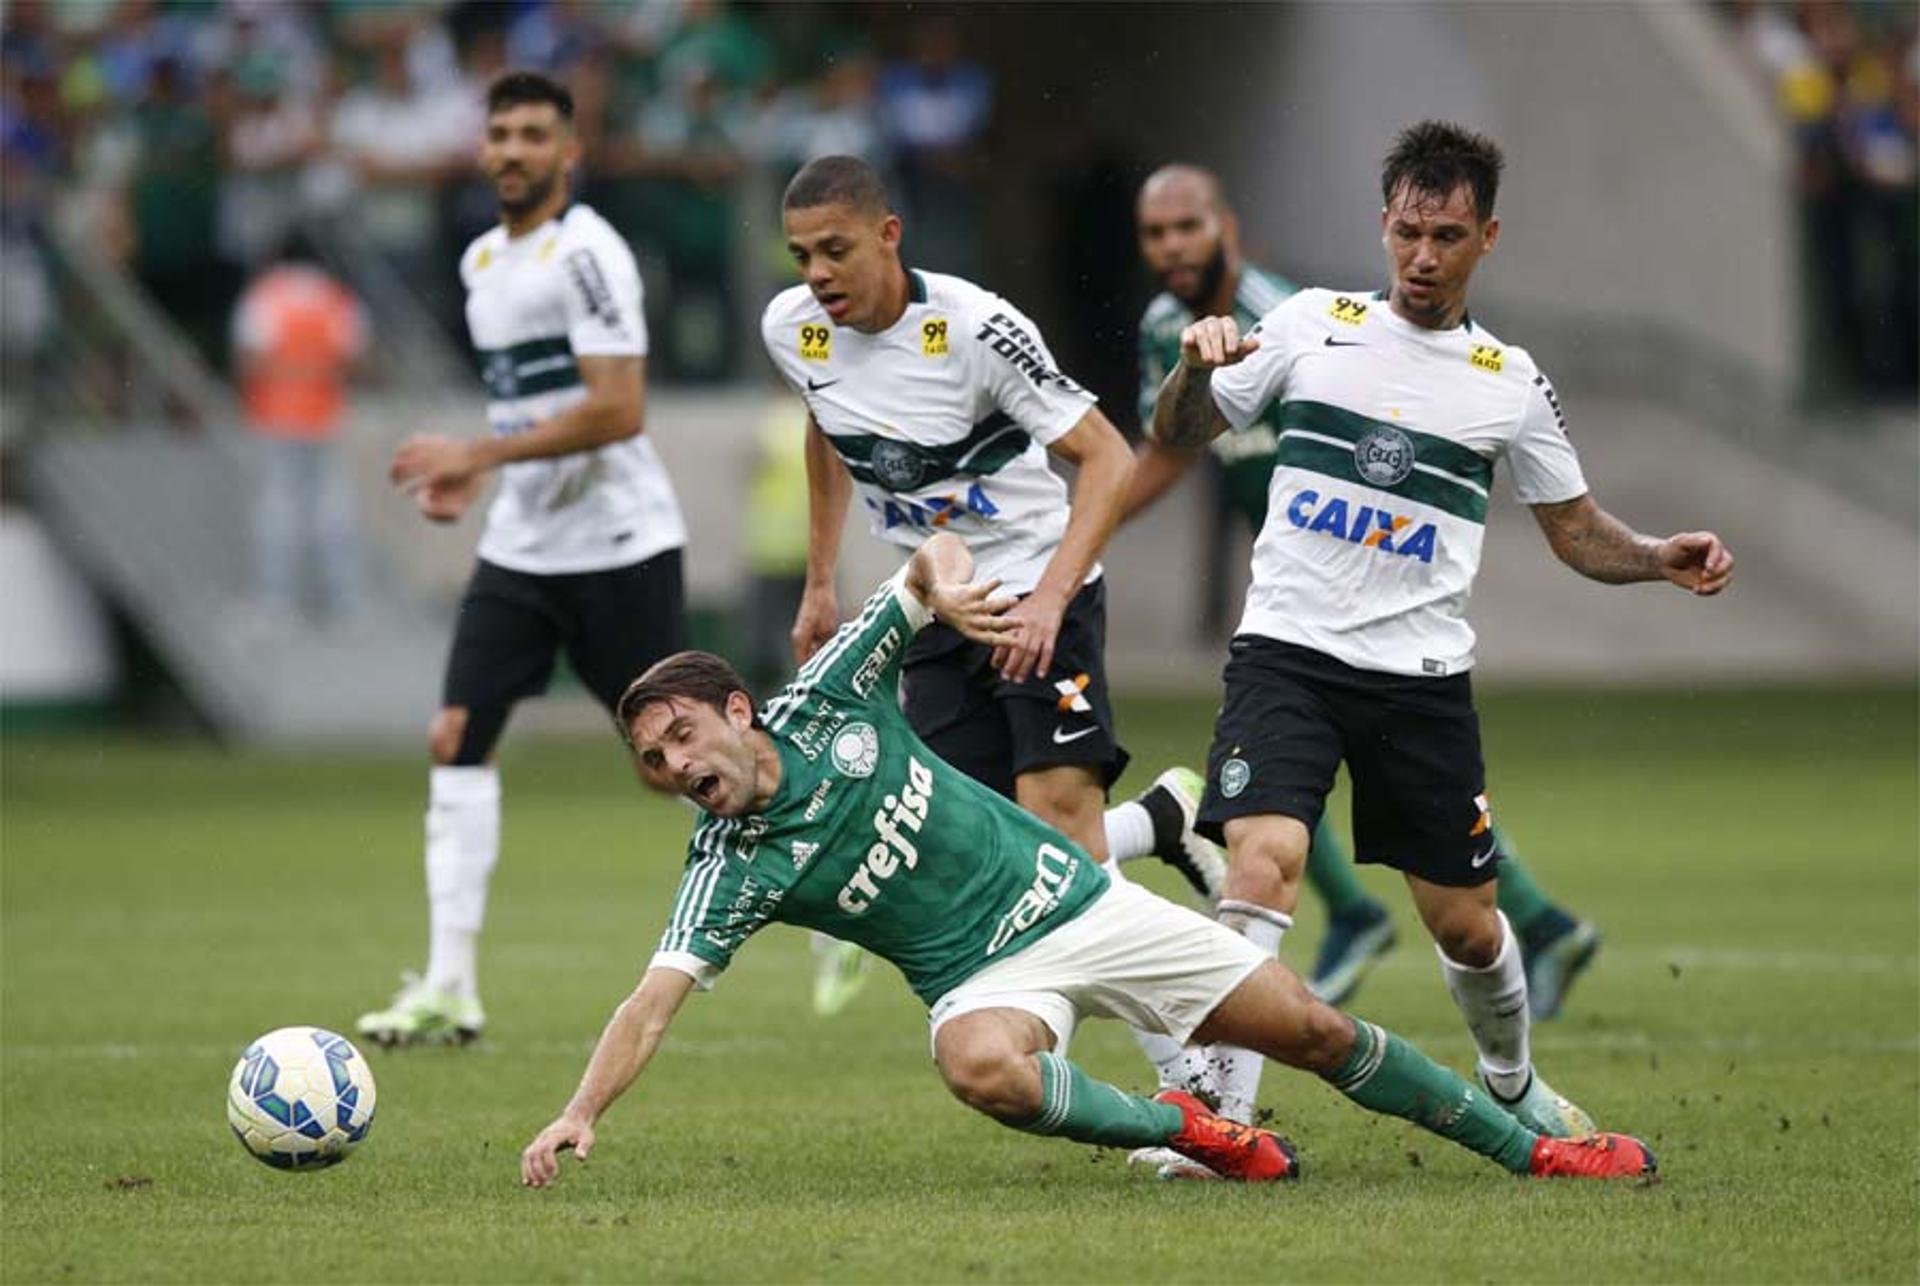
[(1000, 1039), (1273, 1012)]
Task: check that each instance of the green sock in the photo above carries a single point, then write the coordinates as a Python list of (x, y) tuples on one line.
[(1520, 897), (1330, 872), (1386, 1074), (1075, 1106)]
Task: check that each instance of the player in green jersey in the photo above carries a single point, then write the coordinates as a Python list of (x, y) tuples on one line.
[(1190, 239), (824, 809)]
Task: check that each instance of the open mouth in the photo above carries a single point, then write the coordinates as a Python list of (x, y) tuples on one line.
[(835, 303), (705, 789)]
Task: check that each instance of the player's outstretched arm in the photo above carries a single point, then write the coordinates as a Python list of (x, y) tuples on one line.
[(1184, 415), (628, 1043), (829, 489), (939, 575), (1600, 547)]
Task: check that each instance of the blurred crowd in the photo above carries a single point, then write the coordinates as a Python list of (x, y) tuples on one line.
[(192, 140), (1846, 79)]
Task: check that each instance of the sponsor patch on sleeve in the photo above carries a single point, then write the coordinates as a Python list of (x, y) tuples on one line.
[(816, 342), (1348, 310)]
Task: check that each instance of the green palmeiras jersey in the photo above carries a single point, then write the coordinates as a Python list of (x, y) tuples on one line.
[(871, 838), (1247, 454)]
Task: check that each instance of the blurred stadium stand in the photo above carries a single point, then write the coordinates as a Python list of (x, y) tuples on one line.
[(1656, 261)]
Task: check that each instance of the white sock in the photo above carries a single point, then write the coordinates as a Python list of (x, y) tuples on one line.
[(1234, 1073), (1179, 1067), (1494, 1002), (1129, 832), (463, 843)]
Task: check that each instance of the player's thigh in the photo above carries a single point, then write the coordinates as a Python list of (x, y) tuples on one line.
[(622, 620), (505, 636), (1419, 783), (947, 695), (1276, 743), (1065, 718)]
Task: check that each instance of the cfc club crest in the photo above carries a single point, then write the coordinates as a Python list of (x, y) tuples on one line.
[(1234, 776), (856, 750), (1383, 457), (500, 376), (897, 466)]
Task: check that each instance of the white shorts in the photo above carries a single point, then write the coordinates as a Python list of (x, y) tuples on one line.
[(1132, 955)]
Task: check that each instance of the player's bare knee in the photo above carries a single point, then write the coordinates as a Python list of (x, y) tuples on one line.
[(1266, 856), (991, 1078), (445, 733), (1470, 936)]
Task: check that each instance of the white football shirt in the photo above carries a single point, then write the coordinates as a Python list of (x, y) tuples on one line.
[(1388, 438), (943, 418), (536, 303)]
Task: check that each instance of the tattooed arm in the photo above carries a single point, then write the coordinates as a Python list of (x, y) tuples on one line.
[(1600, 547), (1184, 416)]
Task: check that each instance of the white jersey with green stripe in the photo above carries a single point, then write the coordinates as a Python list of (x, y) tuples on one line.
[(536, 303), (871, 838), (943, 418), (1388, 437)]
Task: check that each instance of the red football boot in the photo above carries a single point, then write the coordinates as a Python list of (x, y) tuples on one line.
[(1228, 1148), (1597, 1156)]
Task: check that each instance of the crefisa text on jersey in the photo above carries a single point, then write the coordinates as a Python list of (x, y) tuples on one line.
[(898, 816)]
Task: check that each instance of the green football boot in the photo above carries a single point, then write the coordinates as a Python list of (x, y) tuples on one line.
[(839, 972), (1542, 1110), (423, 1015)]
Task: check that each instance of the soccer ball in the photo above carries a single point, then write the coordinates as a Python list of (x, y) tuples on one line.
[(300, 1098)]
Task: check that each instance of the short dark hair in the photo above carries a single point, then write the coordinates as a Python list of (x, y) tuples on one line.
[(518, 87), (832, 180), (1435, 157), (690, 676)]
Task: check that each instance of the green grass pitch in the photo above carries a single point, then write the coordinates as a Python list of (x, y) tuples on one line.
[(1753, 1014)]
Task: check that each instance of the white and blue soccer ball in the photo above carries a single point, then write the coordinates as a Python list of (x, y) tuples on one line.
[(300, 1098)]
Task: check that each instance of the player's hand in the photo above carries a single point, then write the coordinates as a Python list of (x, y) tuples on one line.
[(431, 460), (1213, 342), (815, 623), (1028, 649), (540, 1163), (447, 502), (977, 611), (1696, 561)]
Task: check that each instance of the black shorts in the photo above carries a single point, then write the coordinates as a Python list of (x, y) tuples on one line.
[(993, 730), (1412, 748), (612, 624)]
